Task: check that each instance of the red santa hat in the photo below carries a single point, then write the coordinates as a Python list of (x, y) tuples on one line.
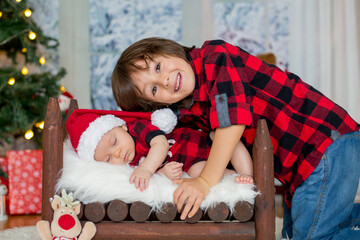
[(86, 127)]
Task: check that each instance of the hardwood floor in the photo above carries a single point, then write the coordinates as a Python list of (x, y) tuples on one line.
[(19, 221)]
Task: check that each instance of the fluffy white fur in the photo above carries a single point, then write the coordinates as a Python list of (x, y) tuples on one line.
[(98, 181)]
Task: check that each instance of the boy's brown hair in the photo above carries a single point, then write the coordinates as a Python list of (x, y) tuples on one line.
[(125, 91)]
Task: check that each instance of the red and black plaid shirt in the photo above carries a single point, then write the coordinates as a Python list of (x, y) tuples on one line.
[(300, 118), (190, 146)]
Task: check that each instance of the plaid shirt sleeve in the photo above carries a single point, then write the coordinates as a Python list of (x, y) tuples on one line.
[(226, 86), (143, 131)]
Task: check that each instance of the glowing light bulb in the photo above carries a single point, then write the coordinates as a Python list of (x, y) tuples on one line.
[(18, 0), (0, 14), (32, 35), (27, 13), (24, 50), (29, 134), (11, 81), (24, 71), (62, 89), (40, 125), (42, 61)]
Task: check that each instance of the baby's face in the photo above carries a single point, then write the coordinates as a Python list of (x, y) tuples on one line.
[(116, 147), (167, 80)]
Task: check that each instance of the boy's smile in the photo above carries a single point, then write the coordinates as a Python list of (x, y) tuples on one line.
[(165, 79)]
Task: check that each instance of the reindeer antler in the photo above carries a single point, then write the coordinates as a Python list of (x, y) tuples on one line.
[(67, 200)]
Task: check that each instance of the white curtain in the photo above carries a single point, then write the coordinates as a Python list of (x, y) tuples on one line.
[(324, 49)]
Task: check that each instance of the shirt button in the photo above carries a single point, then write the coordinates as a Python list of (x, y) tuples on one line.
[(221, 99)]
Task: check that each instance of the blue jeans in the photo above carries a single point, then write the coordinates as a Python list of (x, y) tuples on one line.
[(323, 206)]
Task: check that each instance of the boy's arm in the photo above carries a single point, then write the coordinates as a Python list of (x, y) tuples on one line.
[(159, 148), (195, 190)]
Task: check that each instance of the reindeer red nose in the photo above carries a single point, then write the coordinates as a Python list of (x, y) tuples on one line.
[(66, 222)]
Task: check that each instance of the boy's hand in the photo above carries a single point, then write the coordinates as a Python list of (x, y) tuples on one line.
[(140, 178), (192, 190), (172, 170)]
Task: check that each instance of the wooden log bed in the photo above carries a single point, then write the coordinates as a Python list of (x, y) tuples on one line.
[(118, 220)]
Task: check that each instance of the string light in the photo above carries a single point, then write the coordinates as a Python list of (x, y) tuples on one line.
[(11, 81), (18, 0), (27, 13), (62, 89), (24, 71), (0, 14), (24, 50), (40, 125), (32, 35), (29, 134), (42, 60)]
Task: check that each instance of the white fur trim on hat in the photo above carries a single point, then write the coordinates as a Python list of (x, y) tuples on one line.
[(164, 119), (92, 135)]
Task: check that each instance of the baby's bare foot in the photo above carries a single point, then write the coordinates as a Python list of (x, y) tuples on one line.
[(243, 178)]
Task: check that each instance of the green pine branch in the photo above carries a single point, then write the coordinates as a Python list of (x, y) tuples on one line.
[(23, 104)]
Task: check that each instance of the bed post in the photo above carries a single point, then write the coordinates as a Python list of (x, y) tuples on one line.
[(73, 105), (52, 155), (264, 179)]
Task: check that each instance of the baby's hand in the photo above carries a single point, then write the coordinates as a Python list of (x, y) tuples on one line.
[(172, 170), (140, 178)]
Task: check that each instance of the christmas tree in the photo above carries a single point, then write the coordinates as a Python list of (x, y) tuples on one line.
[(26, 83)]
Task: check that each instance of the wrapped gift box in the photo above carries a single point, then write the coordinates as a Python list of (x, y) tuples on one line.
[(25, 176)]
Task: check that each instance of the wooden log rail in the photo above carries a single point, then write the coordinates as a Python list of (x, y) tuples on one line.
[(117, 220), (140, 212)]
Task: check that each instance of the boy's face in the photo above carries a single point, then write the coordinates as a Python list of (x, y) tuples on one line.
[(115, 147), (166, 80)]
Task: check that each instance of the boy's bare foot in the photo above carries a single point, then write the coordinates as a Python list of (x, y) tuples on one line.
[(243, 178)]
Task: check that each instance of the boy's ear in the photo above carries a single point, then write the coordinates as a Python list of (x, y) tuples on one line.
[(124, 127)]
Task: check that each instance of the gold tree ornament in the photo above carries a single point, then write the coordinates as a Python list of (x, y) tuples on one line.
[(62, 89), (32, 35), (27, 13), (11, 81), (24, 71), (29, 134), (40, 125), (24, 50), (42, 60)]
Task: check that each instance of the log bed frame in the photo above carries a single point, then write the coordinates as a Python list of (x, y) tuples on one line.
[(117, 220)]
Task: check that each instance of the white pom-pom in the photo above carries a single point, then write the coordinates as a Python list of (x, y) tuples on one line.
[(164, 119)]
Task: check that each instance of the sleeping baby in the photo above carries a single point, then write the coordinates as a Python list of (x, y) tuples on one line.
[(115, 137)]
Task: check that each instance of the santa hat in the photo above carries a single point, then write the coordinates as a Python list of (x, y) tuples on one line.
[(86, 127)]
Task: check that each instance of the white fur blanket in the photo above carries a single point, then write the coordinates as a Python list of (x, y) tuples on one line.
[(102, 182)]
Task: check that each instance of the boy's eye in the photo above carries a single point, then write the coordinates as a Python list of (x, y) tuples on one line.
[(107, 159), (114, 141), (153, 91), (157, 68)]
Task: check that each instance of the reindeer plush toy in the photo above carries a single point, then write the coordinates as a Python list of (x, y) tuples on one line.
[(65, 224)]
